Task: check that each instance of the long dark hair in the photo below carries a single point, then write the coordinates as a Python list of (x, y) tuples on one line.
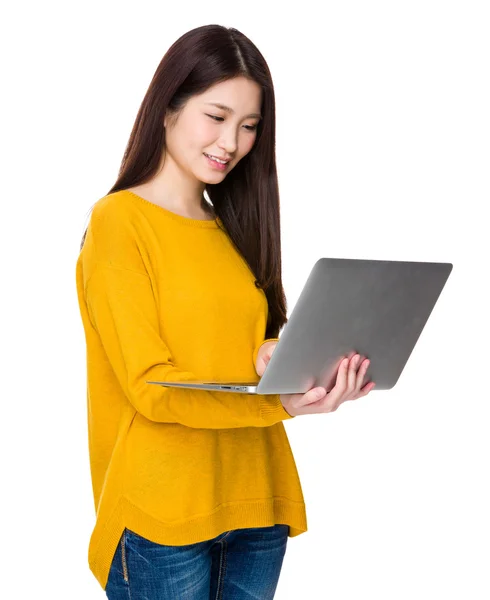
[(247, 200)]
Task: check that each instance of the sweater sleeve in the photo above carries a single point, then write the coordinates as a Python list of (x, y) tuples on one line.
[(123, 311)]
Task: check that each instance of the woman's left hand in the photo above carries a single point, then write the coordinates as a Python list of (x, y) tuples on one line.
[(263, 357)]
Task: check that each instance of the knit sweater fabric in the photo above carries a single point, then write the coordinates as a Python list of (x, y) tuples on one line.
[(169, 298)]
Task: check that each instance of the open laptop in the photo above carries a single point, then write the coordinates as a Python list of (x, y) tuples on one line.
[(377, 308)]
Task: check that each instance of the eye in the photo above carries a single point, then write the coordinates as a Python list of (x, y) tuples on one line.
[(219, 119)]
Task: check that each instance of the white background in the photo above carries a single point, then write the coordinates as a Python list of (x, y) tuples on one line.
[(383, 152)]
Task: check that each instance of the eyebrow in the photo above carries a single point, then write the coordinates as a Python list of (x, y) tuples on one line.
[(231, 111)]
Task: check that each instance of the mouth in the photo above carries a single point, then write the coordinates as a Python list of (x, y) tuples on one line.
[(219, 158), (217, 164)]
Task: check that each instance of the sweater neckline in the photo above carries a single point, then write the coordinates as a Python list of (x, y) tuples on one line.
[(203, 223)]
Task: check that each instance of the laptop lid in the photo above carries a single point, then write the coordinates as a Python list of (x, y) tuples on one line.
[(377, 308)]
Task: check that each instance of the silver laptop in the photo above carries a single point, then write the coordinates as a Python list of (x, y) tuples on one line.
[(377, 308)]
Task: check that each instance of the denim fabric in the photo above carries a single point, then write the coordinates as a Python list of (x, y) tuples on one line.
[(241, 564)]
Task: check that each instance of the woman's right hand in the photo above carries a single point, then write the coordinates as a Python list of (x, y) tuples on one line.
[(350, 377)]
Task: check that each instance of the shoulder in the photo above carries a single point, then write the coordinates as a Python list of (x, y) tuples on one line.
[(112, 209), (113, 233)]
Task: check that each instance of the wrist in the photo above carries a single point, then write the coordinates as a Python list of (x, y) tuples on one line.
[(286, 405)]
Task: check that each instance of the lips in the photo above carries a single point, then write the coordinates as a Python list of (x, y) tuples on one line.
[(219, 157)]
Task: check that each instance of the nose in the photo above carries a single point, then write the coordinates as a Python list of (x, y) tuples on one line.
[(228, 141)]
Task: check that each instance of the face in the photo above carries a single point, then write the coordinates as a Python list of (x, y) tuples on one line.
[(204, 128)]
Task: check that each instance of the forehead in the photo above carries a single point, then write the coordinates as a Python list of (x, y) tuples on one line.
[(240, 96)]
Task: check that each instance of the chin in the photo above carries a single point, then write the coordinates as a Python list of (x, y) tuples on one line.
[(212, 177)]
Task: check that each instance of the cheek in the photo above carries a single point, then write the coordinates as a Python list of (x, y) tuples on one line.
[(203, 134), (247, 144), (196, 137)]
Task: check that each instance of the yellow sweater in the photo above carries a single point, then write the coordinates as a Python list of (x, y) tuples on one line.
[(166, 297)]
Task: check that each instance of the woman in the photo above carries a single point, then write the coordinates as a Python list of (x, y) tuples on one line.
[(195, 492)]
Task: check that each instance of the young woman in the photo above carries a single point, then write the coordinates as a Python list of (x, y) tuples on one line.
[(196, 492)]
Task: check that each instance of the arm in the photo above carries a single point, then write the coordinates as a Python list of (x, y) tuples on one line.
[(122, 310)]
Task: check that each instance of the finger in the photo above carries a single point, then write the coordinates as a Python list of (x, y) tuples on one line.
[(341, 383), (314, 395), (263, 361), (362, 373), (268, 353), (368, 388), (365, 390), (310, 397), (352, 374), (261, 366)]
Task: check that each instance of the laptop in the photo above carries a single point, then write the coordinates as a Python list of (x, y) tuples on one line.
[(376, 308)]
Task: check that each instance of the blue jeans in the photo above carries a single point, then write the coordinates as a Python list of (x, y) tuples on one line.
[(236, 565)]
